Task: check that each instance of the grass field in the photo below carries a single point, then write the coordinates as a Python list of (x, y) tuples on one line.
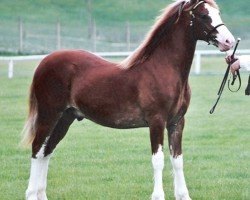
[(72, 11), (99, 163), (111, 16)]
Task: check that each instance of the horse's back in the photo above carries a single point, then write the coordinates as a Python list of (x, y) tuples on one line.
[(65, 64), (67, 58)]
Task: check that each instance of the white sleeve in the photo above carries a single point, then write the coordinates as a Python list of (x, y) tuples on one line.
[(245, 62)]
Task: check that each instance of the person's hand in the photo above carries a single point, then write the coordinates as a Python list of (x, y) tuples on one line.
[(228, 59), (234, 63), (235, 66)]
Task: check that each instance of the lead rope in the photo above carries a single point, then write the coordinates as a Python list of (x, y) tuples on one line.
[(235, 76), (223, 83)]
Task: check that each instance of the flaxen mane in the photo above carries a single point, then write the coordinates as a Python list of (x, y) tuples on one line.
[(163, 23)]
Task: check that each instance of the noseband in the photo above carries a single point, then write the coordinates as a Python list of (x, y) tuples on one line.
[(209, 37)]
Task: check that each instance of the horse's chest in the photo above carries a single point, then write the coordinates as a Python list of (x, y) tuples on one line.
[(170, 98)]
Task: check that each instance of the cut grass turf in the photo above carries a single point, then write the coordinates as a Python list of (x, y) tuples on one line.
[(95, 162)]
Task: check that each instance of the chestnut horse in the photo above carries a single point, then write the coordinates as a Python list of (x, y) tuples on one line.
[(148, 89)]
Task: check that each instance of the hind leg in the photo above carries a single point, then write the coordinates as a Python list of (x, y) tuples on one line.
[(39, 163), (37, 182), (40, 160)]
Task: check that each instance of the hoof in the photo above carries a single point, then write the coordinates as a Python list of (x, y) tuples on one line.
[(36, 196), (30, 195), (42, 196), (183, 197), (158, 196)]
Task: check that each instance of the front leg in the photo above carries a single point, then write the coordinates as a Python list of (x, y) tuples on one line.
[(176, 157), (157, 126)]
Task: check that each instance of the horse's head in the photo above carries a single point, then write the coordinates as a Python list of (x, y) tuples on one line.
[(207, 25)]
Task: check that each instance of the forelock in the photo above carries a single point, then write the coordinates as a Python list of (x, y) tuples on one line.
[(212, 3)]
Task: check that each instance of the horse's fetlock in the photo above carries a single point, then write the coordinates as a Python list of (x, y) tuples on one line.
[(182, 195), (31, 195)]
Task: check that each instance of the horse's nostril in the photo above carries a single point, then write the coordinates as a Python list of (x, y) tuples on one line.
[(228, 42)]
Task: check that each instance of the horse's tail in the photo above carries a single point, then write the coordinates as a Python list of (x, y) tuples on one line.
[(29, 129)]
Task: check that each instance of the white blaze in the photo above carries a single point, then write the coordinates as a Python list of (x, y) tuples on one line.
[(224, 37)]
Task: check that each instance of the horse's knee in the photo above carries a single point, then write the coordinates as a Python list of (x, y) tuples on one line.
[(175, 138), (156, 126)]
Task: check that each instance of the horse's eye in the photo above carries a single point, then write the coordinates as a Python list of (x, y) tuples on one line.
[(204, 16)]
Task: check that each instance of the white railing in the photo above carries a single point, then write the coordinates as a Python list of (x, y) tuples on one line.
[(197, 61)]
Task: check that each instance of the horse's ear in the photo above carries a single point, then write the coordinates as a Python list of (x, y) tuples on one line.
[(190, 4)]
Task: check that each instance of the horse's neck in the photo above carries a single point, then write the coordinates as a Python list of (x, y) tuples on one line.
[(176, 51)]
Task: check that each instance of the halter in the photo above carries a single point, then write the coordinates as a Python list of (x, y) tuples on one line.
[(209, 37)]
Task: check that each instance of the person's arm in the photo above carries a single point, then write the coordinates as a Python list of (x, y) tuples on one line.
[(239, 62), (244, 62)]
